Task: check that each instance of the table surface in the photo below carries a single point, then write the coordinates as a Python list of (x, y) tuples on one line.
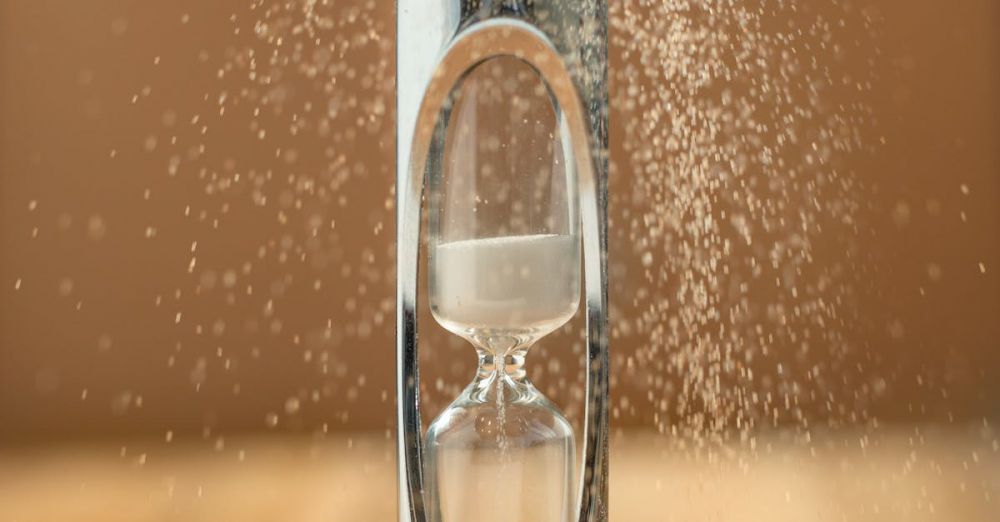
[(894, 476)]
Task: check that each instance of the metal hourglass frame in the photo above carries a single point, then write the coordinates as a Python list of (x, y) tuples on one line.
[(565, 42)]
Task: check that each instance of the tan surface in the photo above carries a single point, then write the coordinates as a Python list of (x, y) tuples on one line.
[(947, 477)]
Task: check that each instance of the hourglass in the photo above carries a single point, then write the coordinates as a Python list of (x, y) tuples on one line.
[(502, 131), (504, 270)]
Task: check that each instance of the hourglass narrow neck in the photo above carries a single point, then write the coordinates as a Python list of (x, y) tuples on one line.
[(493, 8), (501, 376), (510, 365)]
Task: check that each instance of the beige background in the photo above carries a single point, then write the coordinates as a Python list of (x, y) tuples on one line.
[(85, 351)]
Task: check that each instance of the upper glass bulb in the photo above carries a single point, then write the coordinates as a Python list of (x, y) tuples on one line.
[(504, 249)]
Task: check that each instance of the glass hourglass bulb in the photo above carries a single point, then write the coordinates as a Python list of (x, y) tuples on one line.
[(504, 263)]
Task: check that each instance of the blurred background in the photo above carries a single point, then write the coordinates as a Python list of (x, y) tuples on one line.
[(197, 273)]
